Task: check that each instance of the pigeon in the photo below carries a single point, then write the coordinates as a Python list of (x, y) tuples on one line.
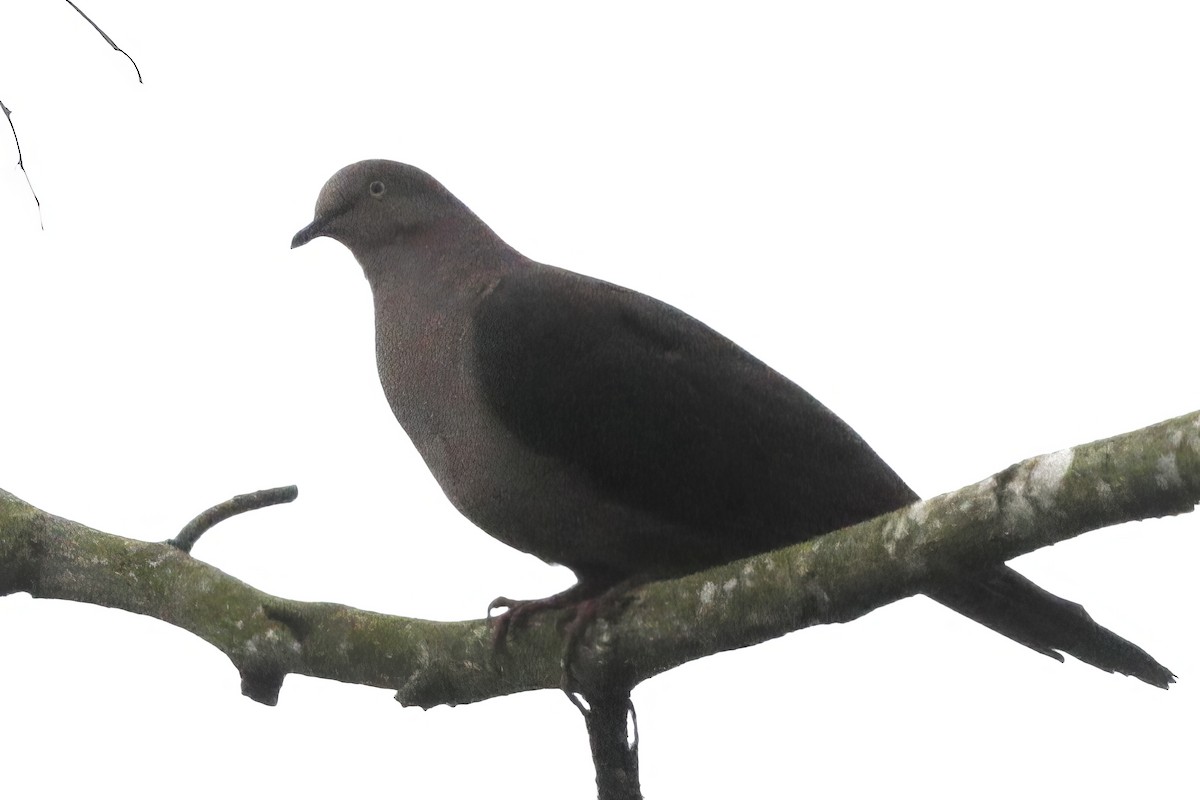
[(599, 428)]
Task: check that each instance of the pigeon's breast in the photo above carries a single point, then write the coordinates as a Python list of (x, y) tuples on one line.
[(526, 499)]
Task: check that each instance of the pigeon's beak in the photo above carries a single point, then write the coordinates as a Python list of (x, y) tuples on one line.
[(308, 233)]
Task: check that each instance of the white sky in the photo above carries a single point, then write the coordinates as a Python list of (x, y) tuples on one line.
[(972, 233)]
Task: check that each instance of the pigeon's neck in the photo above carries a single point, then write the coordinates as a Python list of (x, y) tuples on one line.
[(438, 264), (425, 286)]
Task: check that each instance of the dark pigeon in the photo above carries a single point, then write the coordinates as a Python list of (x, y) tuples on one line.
[(604, 430)]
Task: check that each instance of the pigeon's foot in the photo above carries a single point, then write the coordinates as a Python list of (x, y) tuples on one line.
[(585, 602), (518, 612)]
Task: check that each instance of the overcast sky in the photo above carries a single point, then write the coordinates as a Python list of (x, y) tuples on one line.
[(971, 233)]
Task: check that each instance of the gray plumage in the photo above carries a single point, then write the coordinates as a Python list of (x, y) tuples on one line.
[(604, 430)]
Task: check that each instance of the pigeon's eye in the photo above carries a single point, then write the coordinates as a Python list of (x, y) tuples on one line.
[(376, 189)]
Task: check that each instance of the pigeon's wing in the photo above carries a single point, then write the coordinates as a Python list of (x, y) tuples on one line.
[(664, 414)]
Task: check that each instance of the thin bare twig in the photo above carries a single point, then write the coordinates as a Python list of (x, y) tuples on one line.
[(21, 162), (108, 39), (240, 504)]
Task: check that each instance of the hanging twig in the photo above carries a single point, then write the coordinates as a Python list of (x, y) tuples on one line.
[(21, 162), (8, 113), (108, 39)]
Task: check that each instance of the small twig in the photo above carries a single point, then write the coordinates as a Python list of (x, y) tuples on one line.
[(192, 532), (21, 162), (108, 39), (614, 750)]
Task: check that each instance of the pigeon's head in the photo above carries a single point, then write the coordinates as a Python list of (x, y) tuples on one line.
[(375, 203)]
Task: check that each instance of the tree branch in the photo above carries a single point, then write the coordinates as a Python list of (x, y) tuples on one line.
[(1152, 472)]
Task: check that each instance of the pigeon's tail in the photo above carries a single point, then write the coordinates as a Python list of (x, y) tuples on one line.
[(1009, 603)]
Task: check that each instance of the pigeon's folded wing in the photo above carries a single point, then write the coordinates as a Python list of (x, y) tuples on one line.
[(663, 413)]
